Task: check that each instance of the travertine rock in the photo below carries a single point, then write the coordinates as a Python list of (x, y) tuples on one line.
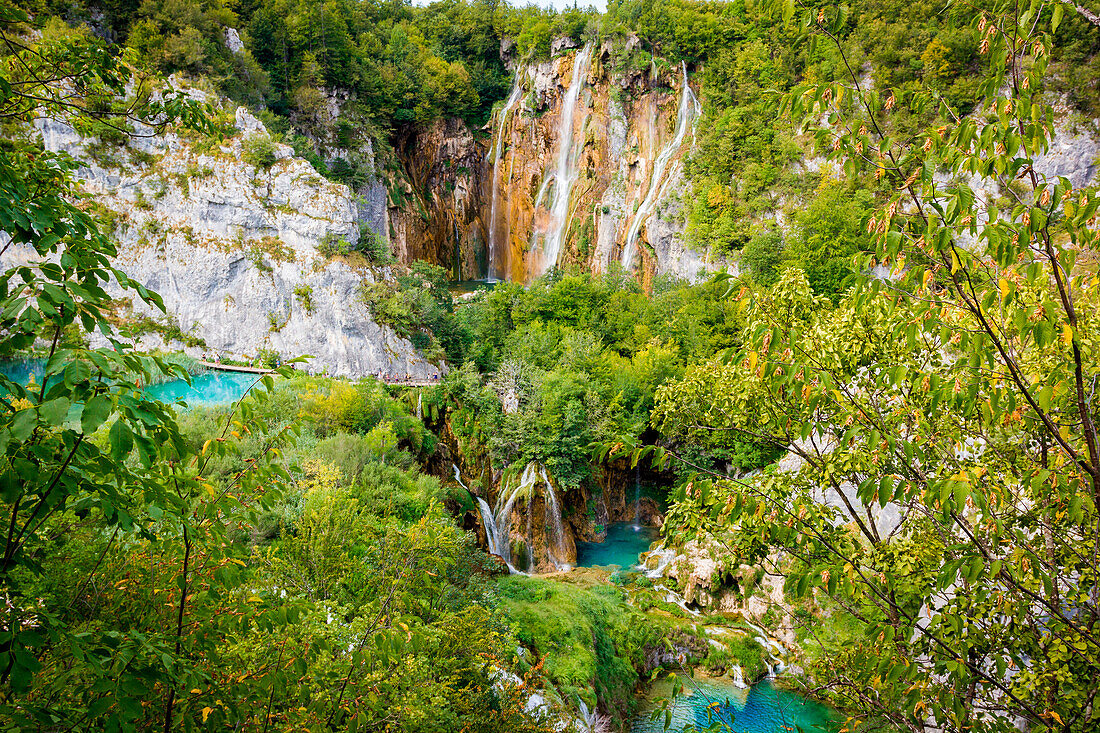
[(233, 249)]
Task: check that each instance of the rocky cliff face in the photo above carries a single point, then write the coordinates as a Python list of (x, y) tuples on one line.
[(582, 164), (587, 169), (436, 208), (232, 247)]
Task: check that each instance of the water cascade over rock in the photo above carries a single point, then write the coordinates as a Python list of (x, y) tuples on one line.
[(496, 268), (525, 528), (550, 230), (585, 165), (686, 116)]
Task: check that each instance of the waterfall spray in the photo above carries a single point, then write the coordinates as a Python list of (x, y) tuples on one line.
[(495, 270), (689, 110), (565, 170)]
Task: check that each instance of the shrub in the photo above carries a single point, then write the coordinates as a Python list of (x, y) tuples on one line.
[(304, 295), (259, 151)]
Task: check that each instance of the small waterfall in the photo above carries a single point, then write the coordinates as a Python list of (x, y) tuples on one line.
[(565, 170), (689, 110), (420, 412), (496, 535), (664, 556), (739, 677), (775, 650), (494, 538), (672, 596), (495, 270), (556, 548), (498, 521), (637, 498)]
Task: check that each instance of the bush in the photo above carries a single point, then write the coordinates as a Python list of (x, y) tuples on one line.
[(763, 255), (259, 151)]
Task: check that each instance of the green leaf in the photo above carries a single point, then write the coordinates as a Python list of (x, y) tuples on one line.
[(23, 424), (95, 412), (121, 439), (54, 412)]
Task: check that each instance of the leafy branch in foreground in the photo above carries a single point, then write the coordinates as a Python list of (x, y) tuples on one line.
[(943, 487)]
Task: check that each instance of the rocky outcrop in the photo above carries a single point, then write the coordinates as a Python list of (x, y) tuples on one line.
[(436, 207), (229, 234)]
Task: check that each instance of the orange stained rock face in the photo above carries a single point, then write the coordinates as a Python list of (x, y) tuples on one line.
[(574, 166)]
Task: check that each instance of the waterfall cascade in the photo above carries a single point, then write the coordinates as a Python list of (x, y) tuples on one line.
[(498, 521), (637, 498), (495, 224), (565, 169), (688, 112)]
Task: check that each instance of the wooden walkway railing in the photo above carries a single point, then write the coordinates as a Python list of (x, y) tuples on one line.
[(392, 381), (233, 368)]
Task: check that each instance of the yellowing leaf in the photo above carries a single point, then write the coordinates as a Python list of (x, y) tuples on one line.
[(752, 360), (206, 713), (1067, 334), (1005, 287)]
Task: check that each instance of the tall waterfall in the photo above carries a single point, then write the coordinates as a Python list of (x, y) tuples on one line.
[(565, 170), (689, 110), (498, 521), (495, 269)]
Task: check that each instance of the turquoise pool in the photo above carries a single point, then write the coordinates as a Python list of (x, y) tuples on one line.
[(762, 708), (623, 544)]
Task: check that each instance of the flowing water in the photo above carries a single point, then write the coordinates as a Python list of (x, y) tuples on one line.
[(762, 708), (689, 110), (497, 268), (565, 169), (623, 545), (498, 521)]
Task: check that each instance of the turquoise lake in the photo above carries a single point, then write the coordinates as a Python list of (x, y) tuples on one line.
[(762, 708), (623, 544), (209, 388)]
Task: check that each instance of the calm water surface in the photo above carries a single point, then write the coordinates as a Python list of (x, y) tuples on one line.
[(210, 388), (763, 708), (624, 542)]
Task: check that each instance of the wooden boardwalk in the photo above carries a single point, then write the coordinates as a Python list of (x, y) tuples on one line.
[(392, 381), (234, 368)]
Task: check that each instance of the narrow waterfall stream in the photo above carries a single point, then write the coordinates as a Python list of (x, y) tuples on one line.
[(565, 169), (496, 268), (498, 521), (637, 498), (689, 110)]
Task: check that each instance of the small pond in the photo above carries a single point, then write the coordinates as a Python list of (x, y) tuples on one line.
[(623, 544), (762, 708), (209, 388), (462, 287)]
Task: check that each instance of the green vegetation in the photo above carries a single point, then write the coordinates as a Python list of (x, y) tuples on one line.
[(259, 151), (291, 563)]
